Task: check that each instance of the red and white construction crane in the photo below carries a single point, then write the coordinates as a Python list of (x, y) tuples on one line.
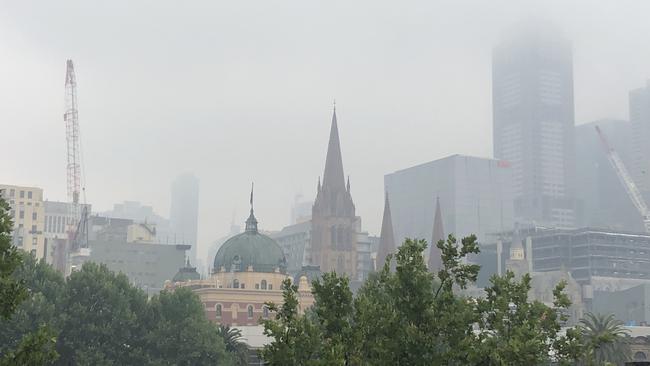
[(77, 216), (626, 180)]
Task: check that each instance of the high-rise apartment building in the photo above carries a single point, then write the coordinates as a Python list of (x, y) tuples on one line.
[(27, 212), (533, 123), (184, 213), (474, 194), (640, 121)]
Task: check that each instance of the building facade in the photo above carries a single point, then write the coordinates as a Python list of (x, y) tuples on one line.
[(184, 212), (640, 121), (27, 212), (334, 224), (249, 270), (533, 123), (603, 200), (58, 221), (474, 195)]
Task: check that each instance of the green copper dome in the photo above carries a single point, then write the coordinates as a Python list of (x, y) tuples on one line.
[(187, 273), (250, 248)]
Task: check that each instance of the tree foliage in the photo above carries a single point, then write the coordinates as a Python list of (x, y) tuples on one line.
[(411, 316), (98, 318), (605, 339)]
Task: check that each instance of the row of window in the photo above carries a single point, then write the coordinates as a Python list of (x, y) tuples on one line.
[(265, 311), (12, 194), (263, 285)]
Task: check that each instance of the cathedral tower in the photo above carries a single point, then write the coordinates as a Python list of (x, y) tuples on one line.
[(334, 223)]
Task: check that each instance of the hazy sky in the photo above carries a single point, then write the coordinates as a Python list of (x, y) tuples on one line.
[(236, 91)]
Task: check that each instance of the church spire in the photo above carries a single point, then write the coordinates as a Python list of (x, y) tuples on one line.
[(333, 178), (435, 262), (386, 238), (251, 222)]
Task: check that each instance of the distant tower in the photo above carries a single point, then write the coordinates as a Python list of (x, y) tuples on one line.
[(435, 262), (334, 224), (517, 262), (533, 123), (71, 118), (640, 121), (386, 238), (184, 213)]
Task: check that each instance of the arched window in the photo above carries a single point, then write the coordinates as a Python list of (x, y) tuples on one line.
[(265, 312), (235, 283), (218, 310), (263, 284), (236, 263), (250, 311), (640, 356)]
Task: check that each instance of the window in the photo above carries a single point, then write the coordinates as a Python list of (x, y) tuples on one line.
[(270, 287), (33, 229), (12, 213), (235, 283), (218, 310), (263, 284), (21, 214), (34, 241), (29, 194), (22, 194), (257, 286), (250, 311), (20, 241), (243, 285), (12, 193), (34, 215), (265, 312)]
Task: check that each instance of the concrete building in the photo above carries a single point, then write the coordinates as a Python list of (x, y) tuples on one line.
[(475, 196), (295, 241), (301, 210), (533, 123), (249, 269), (28, 214), (603, 200), (138, 212), (184, 213), (632, 305), (58, 220), (131, 248), (640, 121)]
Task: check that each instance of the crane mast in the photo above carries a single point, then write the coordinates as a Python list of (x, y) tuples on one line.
[(71, 118), (626, 180)]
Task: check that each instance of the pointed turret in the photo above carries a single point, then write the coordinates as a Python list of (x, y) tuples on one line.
[(435, 262), (251, 222), (333, 197), (386, 239), (333, 178)]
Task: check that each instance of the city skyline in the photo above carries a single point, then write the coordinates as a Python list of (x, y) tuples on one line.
[(135, 139)]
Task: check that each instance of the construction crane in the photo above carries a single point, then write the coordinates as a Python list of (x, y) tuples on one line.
[(626, 180), (77, 226)]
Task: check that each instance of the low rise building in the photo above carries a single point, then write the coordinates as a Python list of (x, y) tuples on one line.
[(249, 269)]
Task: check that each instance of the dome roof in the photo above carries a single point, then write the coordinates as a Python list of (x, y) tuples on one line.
[(250, 248), (187, 273)]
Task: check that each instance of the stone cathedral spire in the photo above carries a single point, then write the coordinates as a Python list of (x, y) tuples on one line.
[(435, 262), (334, 223), (386, 238)]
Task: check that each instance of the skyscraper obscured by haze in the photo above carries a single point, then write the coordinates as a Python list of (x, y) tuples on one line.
[(640, 121), (533, 117), (184, 212)]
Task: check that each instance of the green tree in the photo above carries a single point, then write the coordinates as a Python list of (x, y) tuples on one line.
[(605, 339), (25, 340), (234, 345), (514, 331), (99, 319), (332, 312), (295, 340), (12, 291), (179, 333)]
